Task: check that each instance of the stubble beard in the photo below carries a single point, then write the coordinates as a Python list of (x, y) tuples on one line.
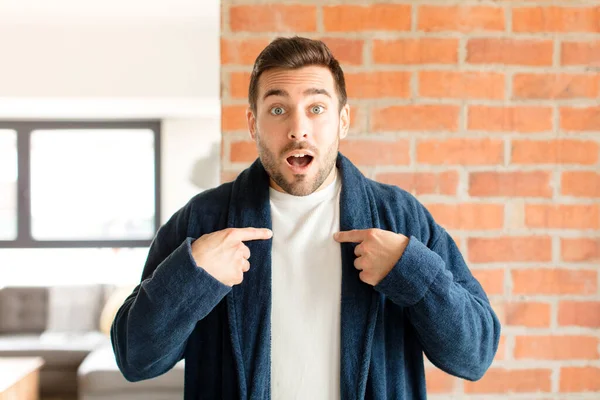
[(300, 185)]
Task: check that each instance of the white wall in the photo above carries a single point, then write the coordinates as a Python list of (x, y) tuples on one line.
[(110, 48), (167, 59), (115, 59), (121, 59), (191, 151)]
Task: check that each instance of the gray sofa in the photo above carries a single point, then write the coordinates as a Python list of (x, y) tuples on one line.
[(100, 379), (62, 325)]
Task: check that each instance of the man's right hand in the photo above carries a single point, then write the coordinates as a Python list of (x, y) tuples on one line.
[(223, 253)]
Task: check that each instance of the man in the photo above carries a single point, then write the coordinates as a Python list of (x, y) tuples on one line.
[(302, 279)]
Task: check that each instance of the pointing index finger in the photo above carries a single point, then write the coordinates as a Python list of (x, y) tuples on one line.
[(353, 236), (244, 234)]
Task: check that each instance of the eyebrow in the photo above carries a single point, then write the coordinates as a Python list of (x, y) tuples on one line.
[(307, 92)]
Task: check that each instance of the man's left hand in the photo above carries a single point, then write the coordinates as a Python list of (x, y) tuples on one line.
[(377, 251)]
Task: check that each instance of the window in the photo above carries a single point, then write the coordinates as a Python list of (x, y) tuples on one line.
[(79, 184)]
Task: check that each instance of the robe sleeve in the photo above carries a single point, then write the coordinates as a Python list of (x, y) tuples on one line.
[(449, 309), (151, 328)]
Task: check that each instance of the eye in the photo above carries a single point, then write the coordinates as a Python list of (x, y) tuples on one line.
[(317, 109), (277, 111)]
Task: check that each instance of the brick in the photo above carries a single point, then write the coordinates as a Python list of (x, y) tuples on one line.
[(465, 216), (273, 18), (418, 183), (492, 280), (554, 152), (528, 314), (555, 86), (579, 313), (241, 51), (562, 216), (580, 53), (546, 281), (460, 152), (365, 85), (373, 17), (500, 380), (415, 51), (510, 184), (503, 249), (570, 347), (243, 151), (526, 52), (424, 117), (580, 249), (439, 382), (461, 85), (371, 152), (460, 18), (556, 19), (523, 119), (448, 182), (580, 119), (346, 51), (579, 379), (233, 118), (238, 85)]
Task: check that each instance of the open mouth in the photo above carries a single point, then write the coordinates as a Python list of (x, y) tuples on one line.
[(299, 162)]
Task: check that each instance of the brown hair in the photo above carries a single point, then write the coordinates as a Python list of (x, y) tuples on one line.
[(293, 53)]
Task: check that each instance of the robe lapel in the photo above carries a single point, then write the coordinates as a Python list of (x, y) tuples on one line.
[(249, 304), (359, 300)]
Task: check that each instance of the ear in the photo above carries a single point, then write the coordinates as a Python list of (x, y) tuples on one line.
[(344, 121), (251, 119)]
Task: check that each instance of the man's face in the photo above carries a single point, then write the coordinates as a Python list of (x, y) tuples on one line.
[(298, 127)]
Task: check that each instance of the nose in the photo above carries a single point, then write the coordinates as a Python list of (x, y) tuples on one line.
[(298, 129)]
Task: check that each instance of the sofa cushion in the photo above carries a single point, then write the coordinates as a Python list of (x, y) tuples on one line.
[(23, 309), (99, 373), (74, 308), (57, 350)]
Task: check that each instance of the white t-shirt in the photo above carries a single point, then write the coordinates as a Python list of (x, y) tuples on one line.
[(306, 295)]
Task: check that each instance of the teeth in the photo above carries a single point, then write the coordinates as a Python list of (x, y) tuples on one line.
[(299, 155)]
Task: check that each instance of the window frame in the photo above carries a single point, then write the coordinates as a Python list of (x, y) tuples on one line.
[(24, 129)]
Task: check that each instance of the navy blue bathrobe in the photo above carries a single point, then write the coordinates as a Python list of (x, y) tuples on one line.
[(429, 302)]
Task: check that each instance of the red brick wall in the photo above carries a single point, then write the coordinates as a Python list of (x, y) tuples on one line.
[(489, 113)]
